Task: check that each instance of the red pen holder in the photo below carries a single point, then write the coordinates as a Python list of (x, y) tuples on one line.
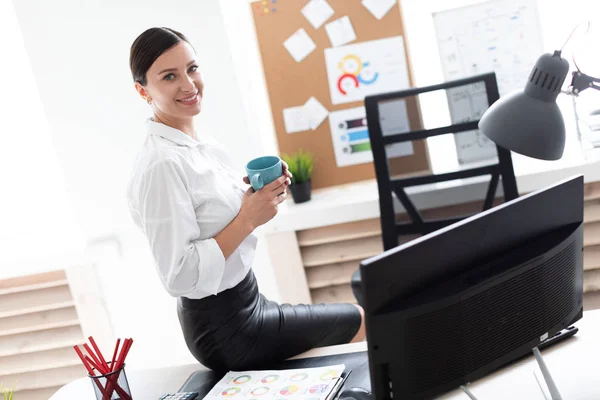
[(111, 386)]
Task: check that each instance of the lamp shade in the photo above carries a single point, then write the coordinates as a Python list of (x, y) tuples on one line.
[(528, 121)]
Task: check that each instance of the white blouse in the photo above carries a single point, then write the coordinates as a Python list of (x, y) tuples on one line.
[(181, 194)]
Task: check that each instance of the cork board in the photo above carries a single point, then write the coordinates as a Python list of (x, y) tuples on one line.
[(291, 83)]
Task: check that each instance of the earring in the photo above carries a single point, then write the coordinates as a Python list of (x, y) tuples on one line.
[(149, 101)]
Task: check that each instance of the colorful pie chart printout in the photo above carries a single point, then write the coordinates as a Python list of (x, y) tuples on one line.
[(240, 380), (269, 379), (259, 391), (231, 392), (296, 384), (289, 390)]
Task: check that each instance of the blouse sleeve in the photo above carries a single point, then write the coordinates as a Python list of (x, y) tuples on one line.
[(186, 264)]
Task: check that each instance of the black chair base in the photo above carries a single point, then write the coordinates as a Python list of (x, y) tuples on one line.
[(355, 283)]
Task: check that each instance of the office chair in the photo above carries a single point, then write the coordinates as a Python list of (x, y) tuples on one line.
[(389, 186)]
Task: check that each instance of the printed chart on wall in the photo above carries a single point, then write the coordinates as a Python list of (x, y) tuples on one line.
[(503, 36), (295, 384), (358, 70), (350, 133)]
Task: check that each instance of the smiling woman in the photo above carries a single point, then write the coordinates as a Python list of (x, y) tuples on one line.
[(168, 80), (199, 218)]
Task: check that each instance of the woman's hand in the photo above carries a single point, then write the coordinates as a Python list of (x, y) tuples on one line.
[(259, 207), (286, 172)]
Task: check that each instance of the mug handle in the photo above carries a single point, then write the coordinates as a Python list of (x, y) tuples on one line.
[(256, 182)]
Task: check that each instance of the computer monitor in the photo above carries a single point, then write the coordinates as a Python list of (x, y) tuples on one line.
[(450, 307)]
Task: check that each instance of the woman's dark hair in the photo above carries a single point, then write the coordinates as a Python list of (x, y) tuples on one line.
[(147, 47)]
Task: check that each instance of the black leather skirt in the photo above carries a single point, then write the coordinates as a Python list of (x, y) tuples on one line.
[(239, 329)]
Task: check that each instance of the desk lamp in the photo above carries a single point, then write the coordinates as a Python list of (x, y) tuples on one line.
[(528, 121)]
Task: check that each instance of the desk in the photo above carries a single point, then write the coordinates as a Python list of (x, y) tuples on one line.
[(573, 364)]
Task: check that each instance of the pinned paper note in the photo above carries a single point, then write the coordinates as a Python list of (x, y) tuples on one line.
[(379, 8), (315, 112), (296, 119), (317, 12), (299, 45), (340, 31)]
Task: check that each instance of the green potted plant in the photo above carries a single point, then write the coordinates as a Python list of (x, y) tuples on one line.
[(300, 165), (6, 393)]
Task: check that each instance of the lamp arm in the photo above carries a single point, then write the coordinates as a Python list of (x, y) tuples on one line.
[(581, 81)]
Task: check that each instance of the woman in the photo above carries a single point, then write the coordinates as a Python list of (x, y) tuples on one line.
[(198, 217)]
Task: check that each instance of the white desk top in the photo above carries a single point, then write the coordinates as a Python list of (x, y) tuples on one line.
[(573, 364), (356, 201)]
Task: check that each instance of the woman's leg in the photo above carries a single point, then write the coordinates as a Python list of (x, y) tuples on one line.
[(288, 330), (361, 334)]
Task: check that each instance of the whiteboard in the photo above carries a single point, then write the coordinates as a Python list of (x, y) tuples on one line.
[(501, 36)]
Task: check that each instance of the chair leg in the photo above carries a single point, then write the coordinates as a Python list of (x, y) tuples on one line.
[(357, 287)]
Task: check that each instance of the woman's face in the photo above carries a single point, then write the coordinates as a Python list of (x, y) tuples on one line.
[(174, 84)]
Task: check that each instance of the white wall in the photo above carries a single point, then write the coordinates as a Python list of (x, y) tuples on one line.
[(37, 228), (79, 55), (557, 20)]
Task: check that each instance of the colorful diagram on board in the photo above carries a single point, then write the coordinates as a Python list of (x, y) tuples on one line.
[(240, 380), (355, 135), (265, 7), (350, 136), (355, 72), (358, 70), (300, 376), (289, 390), (261, 391), (329, 375), (318, 389), (270, 378), (232, 391)]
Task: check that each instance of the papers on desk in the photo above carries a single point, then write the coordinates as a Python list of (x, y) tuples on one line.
[(297, 384)]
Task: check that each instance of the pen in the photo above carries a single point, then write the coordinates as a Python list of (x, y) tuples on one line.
[(338, 385)]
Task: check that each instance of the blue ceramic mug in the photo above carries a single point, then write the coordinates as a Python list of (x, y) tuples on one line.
[(263, 170)]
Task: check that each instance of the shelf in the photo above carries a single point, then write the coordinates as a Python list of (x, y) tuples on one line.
[(46, 378), (331, 275), (591, 212), (39, 318), (591, 191), (333, 294), (591, 234), (24, 300), (40, 341), (38, 361), (591, 257), (37, 286), (37, 328), (349, 250), (35, 369), (337, 233), (28, 280), (38, 394), (31, 310)]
